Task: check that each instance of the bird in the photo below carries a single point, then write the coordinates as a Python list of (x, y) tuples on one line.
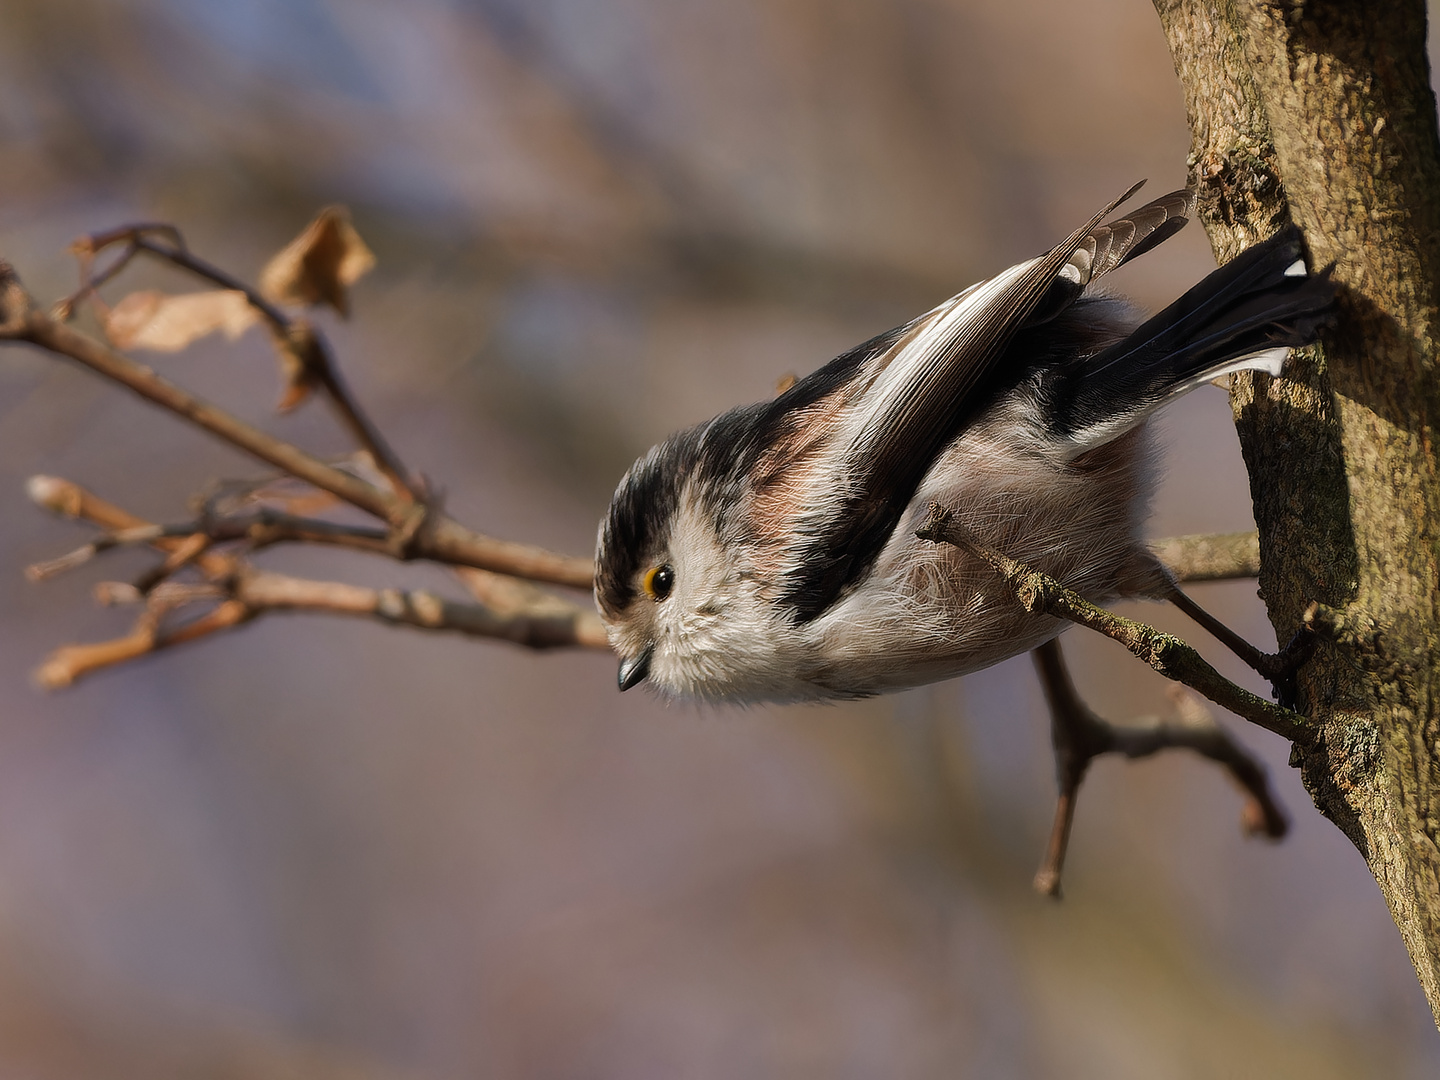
[(769, 554)]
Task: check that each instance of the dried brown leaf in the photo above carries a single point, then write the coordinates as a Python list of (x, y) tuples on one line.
[(320, 264), (301, 364), (166, 323)]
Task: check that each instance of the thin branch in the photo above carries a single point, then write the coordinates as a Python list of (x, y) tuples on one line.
[(266, 526), (551, 623), (70, 663), (178, 255), (68, 499), (297, 336), (422, 534), (1167, 654), (42, 571), (185, 552), (1211, 556), (303, 342), (90, 283), (445, 540), (1278, 667), (505, 608), (21, 321), (1079, 735), (252, 593)]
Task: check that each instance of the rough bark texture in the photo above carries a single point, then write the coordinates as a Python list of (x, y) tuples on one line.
[(1320, 112)]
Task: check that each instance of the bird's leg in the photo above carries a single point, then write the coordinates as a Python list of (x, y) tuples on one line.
[(1279, 668)]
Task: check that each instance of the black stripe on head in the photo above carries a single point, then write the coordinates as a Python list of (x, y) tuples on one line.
[(637, 526)]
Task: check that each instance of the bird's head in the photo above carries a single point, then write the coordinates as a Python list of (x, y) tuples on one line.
[(676, 603)]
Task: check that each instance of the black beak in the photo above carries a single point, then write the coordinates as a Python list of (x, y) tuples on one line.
[(635, 668)]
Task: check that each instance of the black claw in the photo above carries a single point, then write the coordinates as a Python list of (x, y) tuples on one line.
[(1280, 668)]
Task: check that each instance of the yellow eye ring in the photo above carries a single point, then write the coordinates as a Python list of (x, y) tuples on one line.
[(658, 582)]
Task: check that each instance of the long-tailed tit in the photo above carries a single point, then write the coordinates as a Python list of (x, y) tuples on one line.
[(770, 554)]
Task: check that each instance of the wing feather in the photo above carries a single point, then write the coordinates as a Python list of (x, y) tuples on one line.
[(1116, 242), (938, 374)]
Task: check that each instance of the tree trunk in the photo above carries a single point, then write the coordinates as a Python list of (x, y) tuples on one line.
[(1322, 113)]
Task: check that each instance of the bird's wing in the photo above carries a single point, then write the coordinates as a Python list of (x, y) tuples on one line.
[(931, 378), (1108, 246)]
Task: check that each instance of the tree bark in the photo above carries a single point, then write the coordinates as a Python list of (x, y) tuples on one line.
[(1320, 112)]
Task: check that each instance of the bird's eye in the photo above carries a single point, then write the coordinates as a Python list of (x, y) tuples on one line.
[(659, 580)]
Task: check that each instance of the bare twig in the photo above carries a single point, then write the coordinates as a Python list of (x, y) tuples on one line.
[(266, 526), (505, 608), (295, 336), (447, 541), (120, 538), (183, 554), (303, 342), (252, 593), (426, 536), (1279, 667), (1079, 735), (1211, 557), (70, 500), (70, 663), (86, 248), (1167, 654), (544, 624), (139, 239), (33, 326)]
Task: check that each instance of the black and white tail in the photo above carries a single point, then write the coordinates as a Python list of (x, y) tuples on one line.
[(1246, 315)]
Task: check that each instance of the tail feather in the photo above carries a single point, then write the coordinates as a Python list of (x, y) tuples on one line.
[(1244, 316)]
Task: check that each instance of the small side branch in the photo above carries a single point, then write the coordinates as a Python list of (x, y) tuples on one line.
[(1167, 654), (296, 336), (546, 623), (21, 321), (253, 593), (1079, 735), (1211, 556), (420, 533), (235, 593)]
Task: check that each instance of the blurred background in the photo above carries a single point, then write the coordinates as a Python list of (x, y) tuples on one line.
[(324, 849)]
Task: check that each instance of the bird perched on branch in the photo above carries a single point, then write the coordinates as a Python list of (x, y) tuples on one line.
[(770, 554)]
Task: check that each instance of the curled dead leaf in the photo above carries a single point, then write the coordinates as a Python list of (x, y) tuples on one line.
[(301, 364), (166, 323), (320, 264)]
